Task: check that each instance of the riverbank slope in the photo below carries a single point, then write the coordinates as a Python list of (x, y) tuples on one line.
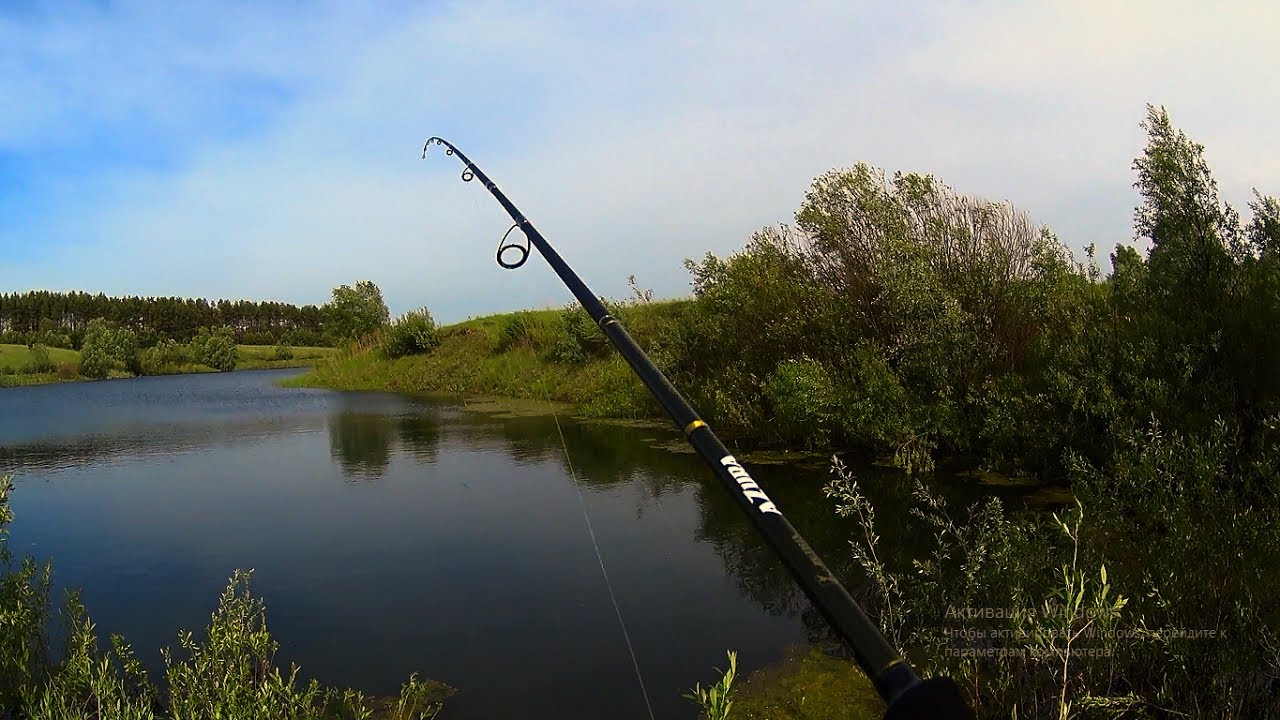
[(531, 355)]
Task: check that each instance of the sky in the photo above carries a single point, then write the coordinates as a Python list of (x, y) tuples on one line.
[(272, 150)]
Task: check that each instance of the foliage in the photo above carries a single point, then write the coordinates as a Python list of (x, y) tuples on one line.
[(803, 398), (714, 701), (518, 329), (581, 339), (164, 356), (283, 351), (1024, 661), (108, 348), (60, 320), (215, 348), (355, 311), (904, 317), (24, 609), (411, 334), (40, 360), (1187, 516), (1160, 602)]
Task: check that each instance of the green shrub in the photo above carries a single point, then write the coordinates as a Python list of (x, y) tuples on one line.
[(216, 348), (1052, 583), (518, 329), (804, 399), (40, 362), (165, 356), (582, 339), (714, 701), (620, 394), (411, 334), (282, 351), (8, 370)]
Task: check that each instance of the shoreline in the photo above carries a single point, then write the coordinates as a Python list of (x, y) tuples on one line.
[(252, 357)]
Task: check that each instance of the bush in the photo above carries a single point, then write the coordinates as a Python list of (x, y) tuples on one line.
[(8, 370), (517, 329), (165, 356), (216, 348), (582, 339), (40, 362), (108, 347), (68, 371), (283, 351), (803, 398), (411, 334)]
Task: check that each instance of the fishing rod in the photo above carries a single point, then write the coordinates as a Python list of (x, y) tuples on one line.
[(905, 694)]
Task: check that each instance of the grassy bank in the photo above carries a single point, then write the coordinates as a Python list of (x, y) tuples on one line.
[(533, 355), (262, 357), (18, 365)]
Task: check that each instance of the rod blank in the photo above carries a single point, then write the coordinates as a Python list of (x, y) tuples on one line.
[(903, 691)]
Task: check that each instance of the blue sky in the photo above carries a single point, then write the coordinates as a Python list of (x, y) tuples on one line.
[(271, 150)]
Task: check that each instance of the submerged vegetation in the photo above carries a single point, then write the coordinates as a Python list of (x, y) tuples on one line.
[(904, 317)]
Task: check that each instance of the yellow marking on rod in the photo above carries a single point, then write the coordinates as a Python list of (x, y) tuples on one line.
[(896, 661), (688, 429)]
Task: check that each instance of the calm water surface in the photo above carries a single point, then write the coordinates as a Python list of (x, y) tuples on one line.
[(391, 535)]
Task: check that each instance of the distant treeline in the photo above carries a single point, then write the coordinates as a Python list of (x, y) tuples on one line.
[(60, 319)]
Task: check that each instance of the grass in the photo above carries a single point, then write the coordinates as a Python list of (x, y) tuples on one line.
[(19, 356), (483, 356), (16, 359), (261, 357)]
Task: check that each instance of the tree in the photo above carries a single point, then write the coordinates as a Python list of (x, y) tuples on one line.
[(356, 311), (216, 348), (1192, 231), (107, 347)]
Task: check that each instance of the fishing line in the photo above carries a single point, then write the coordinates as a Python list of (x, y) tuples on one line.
[(907, 696), (591, 532)]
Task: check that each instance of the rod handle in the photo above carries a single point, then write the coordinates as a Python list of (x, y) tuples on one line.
[(937, 698)]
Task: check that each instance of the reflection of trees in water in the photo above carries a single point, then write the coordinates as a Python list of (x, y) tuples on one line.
[(760, 575), (361, 443), (57, 453), (604, 454), (420, 436)]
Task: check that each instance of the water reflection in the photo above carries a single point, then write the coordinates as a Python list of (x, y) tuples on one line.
[(420, 436), (394, 535), (361, 443)]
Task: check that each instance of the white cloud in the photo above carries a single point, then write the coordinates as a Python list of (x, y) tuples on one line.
[(641, 134)]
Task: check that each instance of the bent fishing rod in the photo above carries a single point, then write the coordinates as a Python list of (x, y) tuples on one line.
[(905, 694)]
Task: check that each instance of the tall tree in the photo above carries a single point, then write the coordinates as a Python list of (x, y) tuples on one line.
[(357, 310)]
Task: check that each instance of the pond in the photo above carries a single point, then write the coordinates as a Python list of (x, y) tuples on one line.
[(391, 534)]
